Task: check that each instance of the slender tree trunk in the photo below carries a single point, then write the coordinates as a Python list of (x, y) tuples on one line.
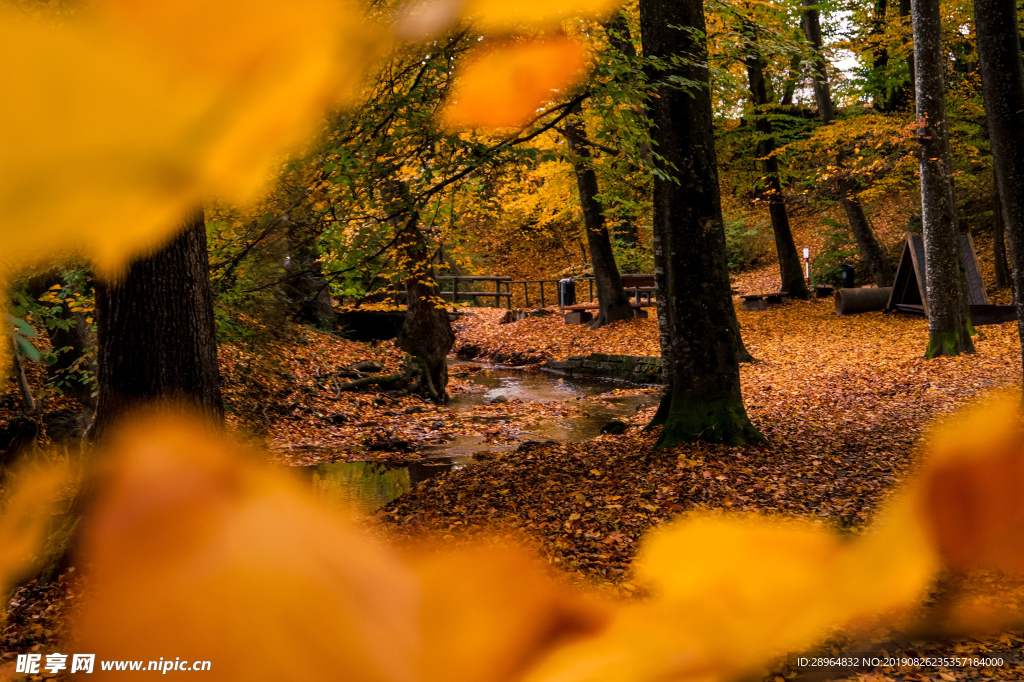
[(700, 355), (789, 262), (612, 299), (822, 93), (999, 242), (949, 325), (156, 344), (870, 251), (1002, 77), (879, 55), (903, 96), (157, 337)]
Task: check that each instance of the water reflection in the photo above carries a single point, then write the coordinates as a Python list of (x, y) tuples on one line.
[(359, 488)]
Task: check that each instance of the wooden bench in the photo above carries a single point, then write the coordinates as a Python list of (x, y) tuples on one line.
[(580, 314), (762, 301)]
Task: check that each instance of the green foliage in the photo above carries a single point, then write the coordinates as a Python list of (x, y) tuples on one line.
[(746, 245), (839, 248), (632, 258)]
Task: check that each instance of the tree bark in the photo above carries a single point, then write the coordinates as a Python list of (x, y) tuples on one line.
[(949, 325), (903, 96), (1002, 77), (999, 241), (157, 337), (700, 332), (822, 93), (156, 344), (789, 262), (612, 299), (870, 251), (426, 333)]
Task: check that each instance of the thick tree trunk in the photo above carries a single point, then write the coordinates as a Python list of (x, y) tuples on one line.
[(999, 241), (157, 338), (426, 333), (612, 299), (700, 356), (879, 55), (949, 325), (789, 262), (1002, 76), (870, 251), (156, 344)]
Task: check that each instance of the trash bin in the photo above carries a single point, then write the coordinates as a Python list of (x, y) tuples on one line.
[(846, 276), (566, 292)]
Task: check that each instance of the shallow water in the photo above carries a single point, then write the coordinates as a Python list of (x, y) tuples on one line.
[(364, 487)]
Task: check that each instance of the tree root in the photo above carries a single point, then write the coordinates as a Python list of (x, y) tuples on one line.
[(414, 376)]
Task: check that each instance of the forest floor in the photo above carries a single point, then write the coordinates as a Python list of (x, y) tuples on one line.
[(845, 403)]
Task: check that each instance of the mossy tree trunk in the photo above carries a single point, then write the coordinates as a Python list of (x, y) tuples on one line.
[(699, 329), (426, 333), (949, 325)]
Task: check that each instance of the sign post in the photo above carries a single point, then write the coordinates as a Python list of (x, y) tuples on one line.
[(807, 266)]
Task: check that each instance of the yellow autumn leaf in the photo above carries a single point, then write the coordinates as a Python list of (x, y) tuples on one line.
[(506, 84), (134, 112), (25, 519), (729, 593), (196, 550)]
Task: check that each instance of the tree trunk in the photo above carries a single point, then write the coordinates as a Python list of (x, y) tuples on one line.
[(156, 344), (822, 93), (879, 55), (701, 344), (157, 338), (612, 299), (999, 241), (903, 96), (870, 251), (949, 325), (306, 287), (426, 333), (789, 262), (1002, 77)]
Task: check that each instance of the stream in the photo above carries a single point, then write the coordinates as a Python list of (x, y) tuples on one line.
[(364, 487)]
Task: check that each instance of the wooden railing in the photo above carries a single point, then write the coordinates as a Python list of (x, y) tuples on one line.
[(506, 283)]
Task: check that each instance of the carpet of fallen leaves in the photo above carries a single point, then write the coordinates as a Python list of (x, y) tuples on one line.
[(844, 402)]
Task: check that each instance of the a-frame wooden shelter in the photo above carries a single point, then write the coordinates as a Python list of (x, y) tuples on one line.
[(909, 286)]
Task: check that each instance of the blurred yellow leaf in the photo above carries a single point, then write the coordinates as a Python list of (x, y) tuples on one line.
[(970, 492), (500, 615), (500, 14), (25, 518), (137, 111), (195, 550), (728, 593), (506, 84)]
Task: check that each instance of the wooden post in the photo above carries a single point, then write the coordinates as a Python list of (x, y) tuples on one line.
[(508, 290), (455, 292), (526, 293), (590, 285), (542, 293)]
